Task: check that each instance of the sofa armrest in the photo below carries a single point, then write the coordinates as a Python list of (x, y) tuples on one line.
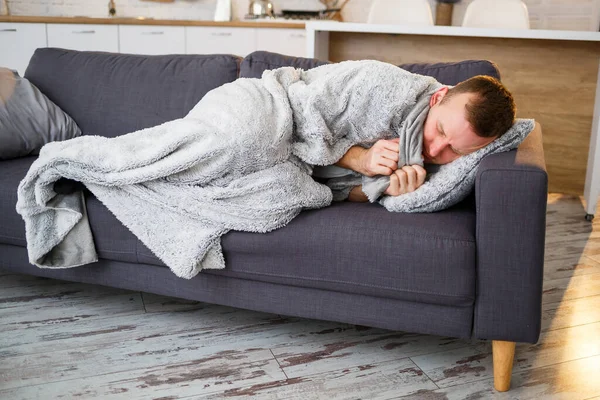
[(511, 194)]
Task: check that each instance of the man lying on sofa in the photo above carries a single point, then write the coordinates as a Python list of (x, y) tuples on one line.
[(461, 120), (242, 159)]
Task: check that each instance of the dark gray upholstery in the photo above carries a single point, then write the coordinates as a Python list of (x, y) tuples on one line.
[(427, 258), (363, 249), (12, 227), (447, 73), (255, 63), (453, 73), (113, 94), (112, 239), (511, 196), (474, 270), (375, 311)]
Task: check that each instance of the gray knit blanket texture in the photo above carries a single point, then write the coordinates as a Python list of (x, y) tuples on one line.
[(241, 160)]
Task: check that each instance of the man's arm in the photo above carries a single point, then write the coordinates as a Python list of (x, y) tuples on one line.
[(353, 159), (357, 195)]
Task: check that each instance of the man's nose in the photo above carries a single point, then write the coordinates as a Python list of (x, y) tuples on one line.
[(436, 148)]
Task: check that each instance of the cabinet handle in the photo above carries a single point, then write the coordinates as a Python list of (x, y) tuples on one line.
[(153, 33), (221, 33), (297, 35), (8, 30), (87, 32)]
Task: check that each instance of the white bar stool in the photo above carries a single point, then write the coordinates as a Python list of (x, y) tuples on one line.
[(404, 12), (504, 14)]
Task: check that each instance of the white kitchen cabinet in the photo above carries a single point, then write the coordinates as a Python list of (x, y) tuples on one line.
[(291, 42), (220, 40), (18, 42), (151, 39), (84, 37)]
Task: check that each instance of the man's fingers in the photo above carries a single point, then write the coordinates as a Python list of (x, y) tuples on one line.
[(406, 180), (391, 154), (421, 174), (402, 180), (393, 189), (411, 178), (391, 145), (386, 162), (382, 170)]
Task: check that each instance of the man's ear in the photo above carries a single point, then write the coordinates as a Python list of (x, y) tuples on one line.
[(438, 96)]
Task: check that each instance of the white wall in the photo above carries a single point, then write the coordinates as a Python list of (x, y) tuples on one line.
[(544, 14)]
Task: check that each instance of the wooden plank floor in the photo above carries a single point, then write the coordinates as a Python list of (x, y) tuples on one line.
[(61, 340)]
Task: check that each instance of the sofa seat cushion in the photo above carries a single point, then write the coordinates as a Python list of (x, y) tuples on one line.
[(347, 247), (361, 248), (12, 226), (112, 239)]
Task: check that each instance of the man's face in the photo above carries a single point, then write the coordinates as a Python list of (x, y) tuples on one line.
[(447, 133)]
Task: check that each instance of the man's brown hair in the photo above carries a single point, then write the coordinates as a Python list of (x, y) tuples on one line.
[(491, 112)]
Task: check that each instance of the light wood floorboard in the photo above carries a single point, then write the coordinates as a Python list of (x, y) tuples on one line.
[(71, 340)]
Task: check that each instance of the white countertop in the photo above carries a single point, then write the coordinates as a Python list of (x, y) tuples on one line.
[(333, 26)]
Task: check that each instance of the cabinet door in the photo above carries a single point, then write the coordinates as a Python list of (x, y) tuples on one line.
[(220, 40), (84, 37), (151, 39), (291, 42), (18, 42)]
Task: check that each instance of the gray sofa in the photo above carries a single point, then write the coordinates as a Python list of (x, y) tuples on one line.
[(472, 271)]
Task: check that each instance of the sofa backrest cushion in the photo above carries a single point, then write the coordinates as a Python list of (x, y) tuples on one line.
[(455, 72), (111, 94), (255, 63)]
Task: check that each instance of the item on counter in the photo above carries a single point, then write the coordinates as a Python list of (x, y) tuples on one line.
[(223, 10), (112, 8), (261, 8), (326, 14)]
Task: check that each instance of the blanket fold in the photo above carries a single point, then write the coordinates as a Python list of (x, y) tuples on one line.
[(241, 159), (410, 148)]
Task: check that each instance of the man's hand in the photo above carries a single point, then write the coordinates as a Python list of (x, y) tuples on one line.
[(406, 180), (381, 158)]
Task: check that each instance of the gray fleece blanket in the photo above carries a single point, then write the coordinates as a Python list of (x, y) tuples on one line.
[(241, 159)]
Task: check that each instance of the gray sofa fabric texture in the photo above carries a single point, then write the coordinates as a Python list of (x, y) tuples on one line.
[(112, 94), (503, 247), (510, 244), (255, 63), (292, 300), (433, 257), (12, 227)]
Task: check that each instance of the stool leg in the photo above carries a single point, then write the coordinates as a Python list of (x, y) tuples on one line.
[(503, 354)]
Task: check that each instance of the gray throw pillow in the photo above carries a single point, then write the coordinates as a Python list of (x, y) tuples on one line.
[(28, 119)]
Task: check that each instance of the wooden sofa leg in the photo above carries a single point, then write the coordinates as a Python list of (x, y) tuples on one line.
[(503, 355)]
